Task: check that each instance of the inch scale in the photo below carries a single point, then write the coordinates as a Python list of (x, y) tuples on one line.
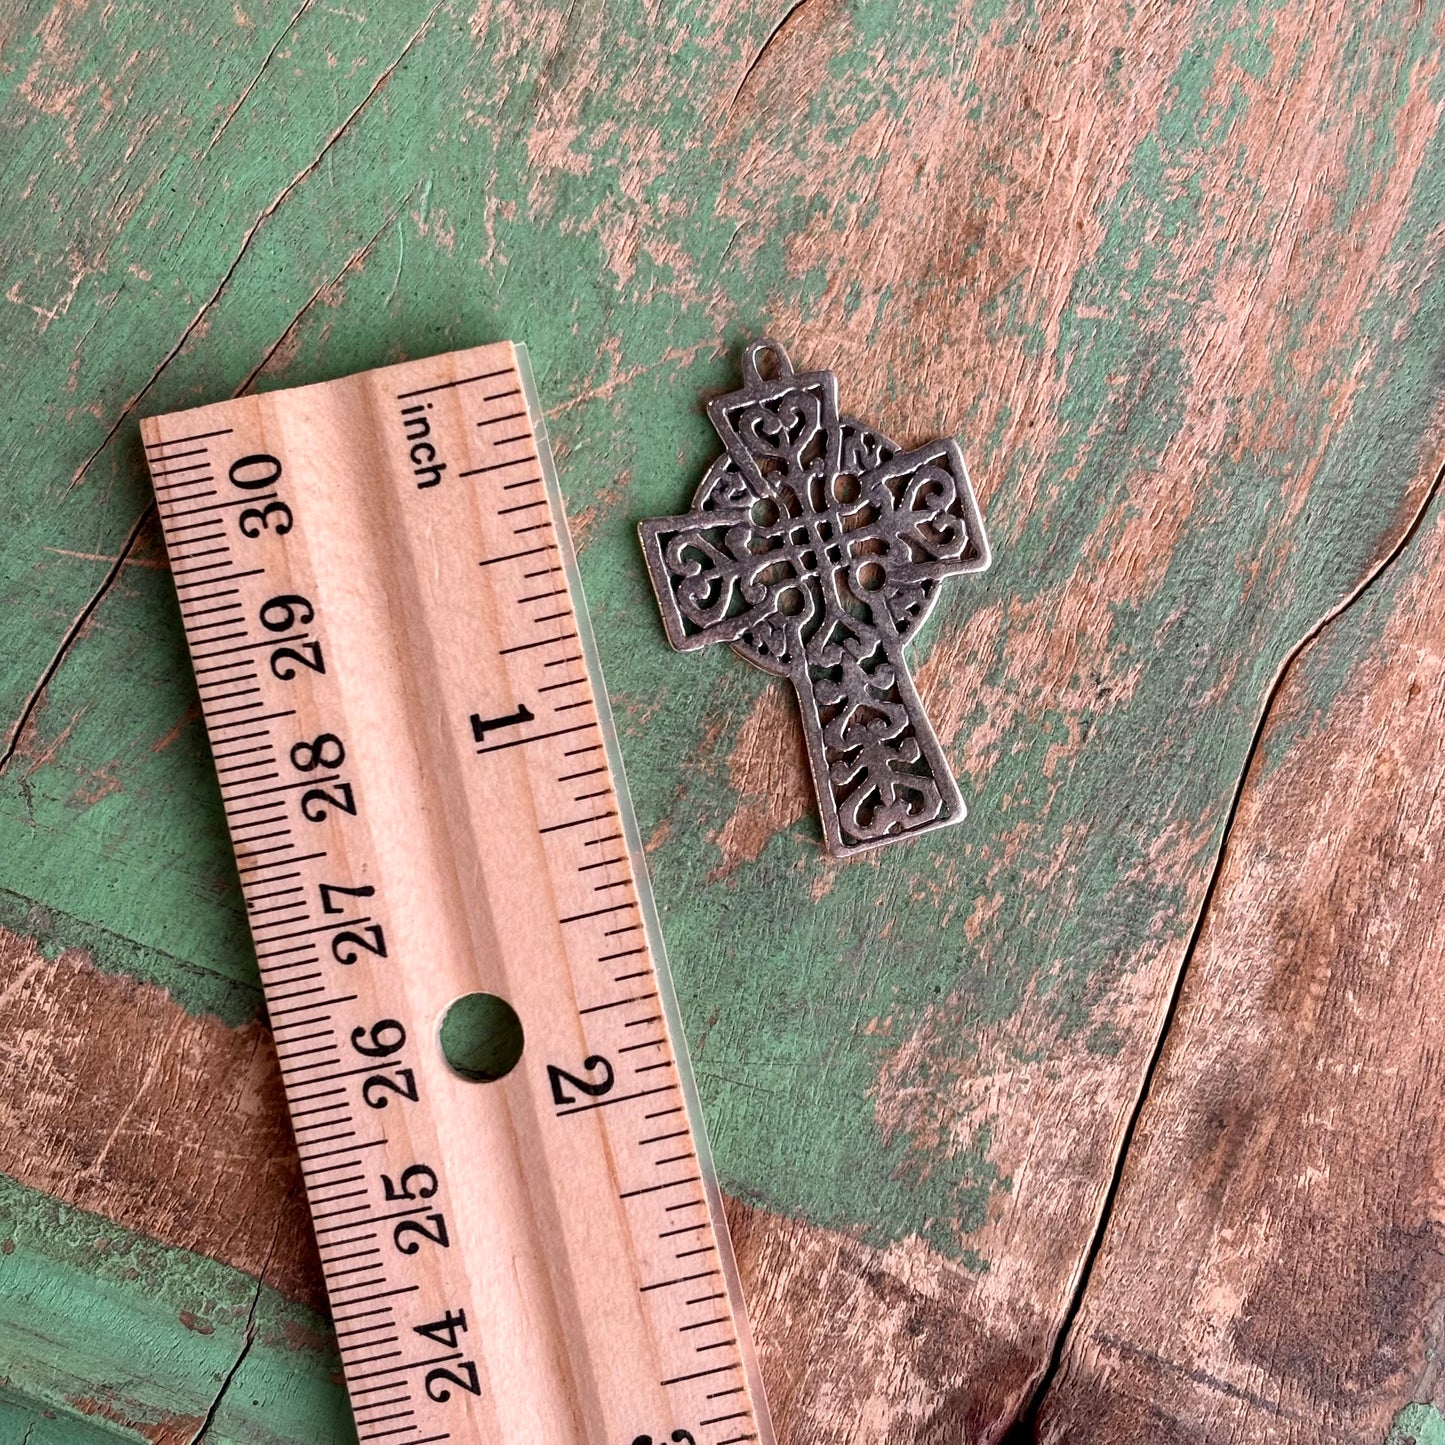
[(424, 792)]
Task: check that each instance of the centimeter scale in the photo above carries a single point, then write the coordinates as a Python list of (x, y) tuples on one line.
[(424, 792)]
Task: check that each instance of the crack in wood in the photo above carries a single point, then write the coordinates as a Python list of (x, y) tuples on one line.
[(246, 1343), (773, 34), (128, 410), (32, 701), (355, 259), (1022, 1429), (255, 79), (72, 634)]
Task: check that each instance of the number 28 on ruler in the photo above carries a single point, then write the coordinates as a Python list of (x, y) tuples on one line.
[(421, 783)]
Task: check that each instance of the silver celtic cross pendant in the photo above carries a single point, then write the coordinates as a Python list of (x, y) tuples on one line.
[(815, 547)]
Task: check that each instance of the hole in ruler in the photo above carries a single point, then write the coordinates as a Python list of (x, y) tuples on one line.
[(481, 1037)]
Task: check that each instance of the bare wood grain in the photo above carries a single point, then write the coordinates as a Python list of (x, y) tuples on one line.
[(1274, 1268), (115, 1100)]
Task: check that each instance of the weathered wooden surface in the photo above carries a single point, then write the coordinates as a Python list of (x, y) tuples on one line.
[(1173, 271), (1274, 1266)]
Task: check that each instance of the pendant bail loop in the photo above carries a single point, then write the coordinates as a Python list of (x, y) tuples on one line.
[(764, 361)]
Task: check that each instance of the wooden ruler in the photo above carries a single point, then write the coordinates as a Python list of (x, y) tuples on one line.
[(424, 793)]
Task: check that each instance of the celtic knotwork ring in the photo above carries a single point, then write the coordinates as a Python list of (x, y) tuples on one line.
[(815, 547)]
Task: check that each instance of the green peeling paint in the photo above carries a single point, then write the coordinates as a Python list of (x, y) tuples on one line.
[(1417, 1425), (74, 1286)]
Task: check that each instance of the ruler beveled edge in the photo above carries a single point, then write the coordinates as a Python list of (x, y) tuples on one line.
[(647, 904)]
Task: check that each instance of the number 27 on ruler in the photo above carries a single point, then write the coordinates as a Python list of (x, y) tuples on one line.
[(422, 784)]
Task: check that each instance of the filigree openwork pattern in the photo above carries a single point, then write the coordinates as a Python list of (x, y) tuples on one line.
[(815, 548)]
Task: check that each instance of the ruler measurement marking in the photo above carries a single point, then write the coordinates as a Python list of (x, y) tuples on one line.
[(535, 738), (250, 572), (513, 556), (403, 1399), (321, 1109), (319, 928), (597, 912), (286, 1074), (703, 1374), (359, 1254), (224, 431), (412, 1365), (275, 968), (257, 912), (207, 611), (658, 1188), (380, 1434), (247, 859), (385, 1403), (578, 822), (216, 507), (278, 892), (369, 1314), (266, 820), (585, 773), (378, 1218), (193, 527), (212, 712), (243, 738), (540, 642), (176, 456), (290, 787), (241, 753), (265, 717), (681, 1279), (449, 385), (615, 1099), (616, 1003), (193, 547), (251, 646), (353, 1209), (405, 1289), (343, 998), (301, 992), (177, 471), (204, 566), (334, 1290)]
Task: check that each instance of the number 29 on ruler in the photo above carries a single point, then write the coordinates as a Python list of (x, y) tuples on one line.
[(518, 1221)]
